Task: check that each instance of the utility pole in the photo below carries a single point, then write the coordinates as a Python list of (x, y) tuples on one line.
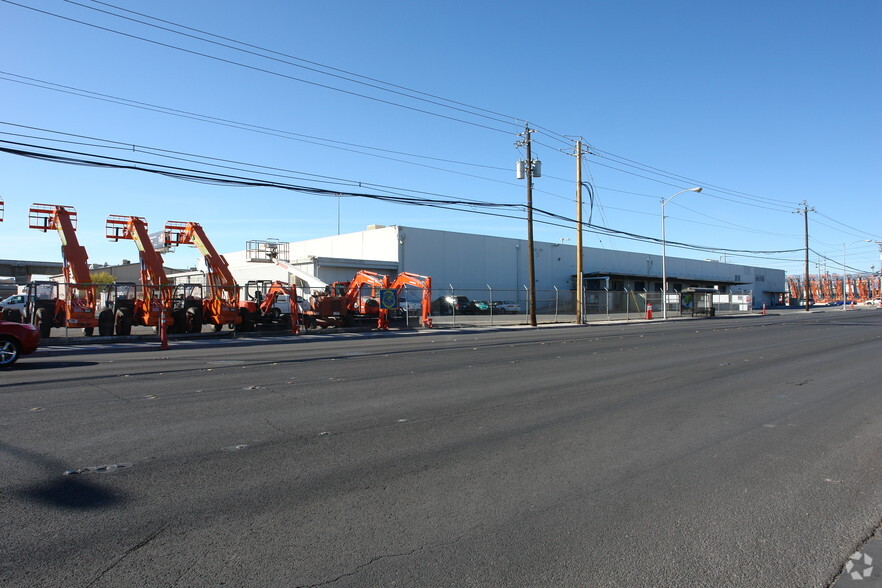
[(805, 210), (580, 262), (527, 169)]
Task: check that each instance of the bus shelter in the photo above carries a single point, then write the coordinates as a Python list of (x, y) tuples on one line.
[(698, 301)]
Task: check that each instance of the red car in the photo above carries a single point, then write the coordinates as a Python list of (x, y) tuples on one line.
[(16, 339)]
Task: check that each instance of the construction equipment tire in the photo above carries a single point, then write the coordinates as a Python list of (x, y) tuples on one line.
[(105, 323), (43, 321), (123, 323), (12, 315), (194, 320)]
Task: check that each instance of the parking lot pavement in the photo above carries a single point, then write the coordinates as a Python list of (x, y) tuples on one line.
[(864, 567)]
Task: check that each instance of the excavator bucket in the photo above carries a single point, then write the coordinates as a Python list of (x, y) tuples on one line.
[(43, 216)]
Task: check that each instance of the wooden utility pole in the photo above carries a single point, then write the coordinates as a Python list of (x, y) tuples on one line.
[(805, 210), (580, 287), (532, 263)]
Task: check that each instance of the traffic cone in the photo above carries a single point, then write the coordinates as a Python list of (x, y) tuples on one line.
[(649, 312), (764, 309)]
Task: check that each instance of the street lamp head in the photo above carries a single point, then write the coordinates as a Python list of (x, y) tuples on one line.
[(695, 189)]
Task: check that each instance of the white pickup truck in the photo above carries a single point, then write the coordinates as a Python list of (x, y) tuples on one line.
[(12, 308)]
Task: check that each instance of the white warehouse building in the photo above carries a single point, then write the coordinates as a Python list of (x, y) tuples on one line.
[(463, 263)]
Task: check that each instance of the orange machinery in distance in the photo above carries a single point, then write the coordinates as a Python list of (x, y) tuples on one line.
[(221, 306), (260, 306), (71, 304), (417, 281), (155, 302)]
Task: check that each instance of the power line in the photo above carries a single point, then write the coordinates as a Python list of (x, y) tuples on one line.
[(399, 89), (76, 158), (260, 69), (503, 117)]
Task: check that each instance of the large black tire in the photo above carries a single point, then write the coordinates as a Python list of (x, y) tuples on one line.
[(88, 331), (194, 320), (9, 351), (43, 321), (246, 324), (179, 315), (12, 315), (105, 323), (123, 322)]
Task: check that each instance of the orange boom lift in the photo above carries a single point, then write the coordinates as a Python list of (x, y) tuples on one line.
[(154, 304), (75, 306), (221, 306)]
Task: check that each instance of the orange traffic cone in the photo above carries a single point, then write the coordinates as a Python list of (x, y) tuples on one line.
[(649, 312), (764, 309)]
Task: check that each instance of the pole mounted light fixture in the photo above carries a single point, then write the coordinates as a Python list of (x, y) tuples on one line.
[(664, 252)]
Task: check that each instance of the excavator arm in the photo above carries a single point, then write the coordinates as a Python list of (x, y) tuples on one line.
[(417, 281), (355, 300), (275, 289)]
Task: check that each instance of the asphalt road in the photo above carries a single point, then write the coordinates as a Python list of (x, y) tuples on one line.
[(724, 452)]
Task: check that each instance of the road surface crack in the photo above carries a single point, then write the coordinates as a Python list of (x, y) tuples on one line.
[(128, 552), (374, 560), (106, 390)]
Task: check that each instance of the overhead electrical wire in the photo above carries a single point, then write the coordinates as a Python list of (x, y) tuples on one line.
[(752, 199), (258, 69), (78, 158), (839, 263), (632, 163), (400, 90), (857, 231), (498, 117)]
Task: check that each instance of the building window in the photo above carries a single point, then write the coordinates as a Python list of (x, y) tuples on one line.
[(639, 286), (737, 277), (760, 278)]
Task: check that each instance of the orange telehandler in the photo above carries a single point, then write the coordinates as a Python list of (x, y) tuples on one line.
[(154, 306), (221, 306), (71, 304)]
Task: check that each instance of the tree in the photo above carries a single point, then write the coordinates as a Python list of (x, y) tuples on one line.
[(102, 278)]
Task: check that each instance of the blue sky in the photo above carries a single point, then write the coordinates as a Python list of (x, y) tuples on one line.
[(763, 104)]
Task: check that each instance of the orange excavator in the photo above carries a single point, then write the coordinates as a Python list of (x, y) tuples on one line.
[(342, 304), (71, 304), (362, 295), (221, 306), (417, 281), (262, 305), (155, 303)]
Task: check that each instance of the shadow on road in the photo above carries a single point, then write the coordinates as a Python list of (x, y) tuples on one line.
[(61, 490)]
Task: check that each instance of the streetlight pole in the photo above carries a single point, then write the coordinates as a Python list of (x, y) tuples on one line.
[(664, 252)]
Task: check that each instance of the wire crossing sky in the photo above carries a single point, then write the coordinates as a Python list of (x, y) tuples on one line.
[(410, 114)]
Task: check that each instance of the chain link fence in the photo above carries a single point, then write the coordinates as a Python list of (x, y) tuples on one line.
[(489, 306)]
